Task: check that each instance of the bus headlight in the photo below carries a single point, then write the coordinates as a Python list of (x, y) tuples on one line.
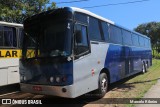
[(24, 78), (58, 79), (51, 79), (21, 78)]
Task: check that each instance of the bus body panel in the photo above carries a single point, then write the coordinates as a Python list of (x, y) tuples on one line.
[(114, 63), (85, 74), (7, 62), (123, 61), (87, 68), (9, 70)]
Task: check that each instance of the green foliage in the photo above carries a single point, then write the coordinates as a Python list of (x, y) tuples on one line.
[(155, 54), (10, 10), (18, 10), (152, 30)]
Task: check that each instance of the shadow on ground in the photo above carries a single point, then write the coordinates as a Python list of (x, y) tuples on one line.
[(122, 85), (84, 99)]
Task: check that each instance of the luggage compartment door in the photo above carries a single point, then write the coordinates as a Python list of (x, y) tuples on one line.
[(13, 75)]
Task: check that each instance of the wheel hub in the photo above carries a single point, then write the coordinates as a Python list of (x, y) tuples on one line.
[(104, 85)]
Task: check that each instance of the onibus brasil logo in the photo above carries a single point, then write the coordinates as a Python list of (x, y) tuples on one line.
[(14, 101)]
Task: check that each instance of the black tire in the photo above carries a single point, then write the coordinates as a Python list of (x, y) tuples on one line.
[(102, 85), (146, 66), (144, 70)]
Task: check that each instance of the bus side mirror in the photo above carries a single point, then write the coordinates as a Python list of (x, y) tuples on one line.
[(78, 36)]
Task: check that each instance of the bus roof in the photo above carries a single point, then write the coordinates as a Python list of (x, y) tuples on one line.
[(103, 19), (91, 14), (10, 24)]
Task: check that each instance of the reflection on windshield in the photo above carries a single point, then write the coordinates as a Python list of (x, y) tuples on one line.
[(53, 40)]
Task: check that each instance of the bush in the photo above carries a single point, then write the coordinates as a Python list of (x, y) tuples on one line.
[(156, 54)]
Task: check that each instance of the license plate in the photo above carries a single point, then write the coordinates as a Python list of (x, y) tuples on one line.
[(37, 88)]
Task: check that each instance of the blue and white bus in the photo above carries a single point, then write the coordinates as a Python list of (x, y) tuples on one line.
[(74, 51)]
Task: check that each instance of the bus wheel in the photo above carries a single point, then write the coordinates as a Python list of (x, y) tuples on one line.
[(103, 85), (144, 67)]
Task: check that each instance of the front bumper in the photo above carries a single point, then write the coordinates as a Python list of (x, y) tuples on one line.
[(49, 90)]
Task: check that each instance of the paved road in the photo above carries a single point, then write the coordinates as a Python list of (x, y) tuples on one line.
[(154, 92)]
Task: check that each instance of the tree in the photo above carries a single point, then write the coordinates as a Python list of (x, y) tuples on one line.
[(18, 10), (10, 10)]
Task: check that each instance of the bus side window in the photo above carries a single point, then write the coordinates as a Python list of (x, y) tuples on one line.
[(105, 30), (127, 37), (94, 30), (135, 39), (82, 18), (146, 43), (81, 40), (141, 41), (1, 36), (149, 43), (115, 34)]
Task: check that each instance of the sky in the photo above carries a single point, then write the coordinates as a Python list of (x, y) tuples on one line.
[(126, 15)]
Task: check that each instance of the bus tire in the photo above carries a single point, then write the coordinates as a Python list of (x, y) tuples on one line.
[(102, 85), (144, 68)]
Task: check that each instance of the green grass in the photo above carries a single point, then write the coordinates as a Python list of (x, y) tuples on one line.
[(136, 86), (142, 83)]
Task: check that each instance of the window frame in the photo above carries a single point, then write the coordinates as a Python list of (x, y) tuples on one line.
[(81, 15), (14, 32), (20, 38), (102, 23), (137, 36), (120, 42), (88, 41), (124, 39), (101, 38), (141, 38)]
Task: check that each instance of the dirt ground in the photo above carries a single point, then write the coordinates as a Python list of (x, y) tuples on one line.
[(116, 90)]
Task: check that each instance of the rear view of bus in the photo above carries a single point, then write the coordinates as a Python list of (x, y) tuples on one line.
[(11, 35), (68, 52)]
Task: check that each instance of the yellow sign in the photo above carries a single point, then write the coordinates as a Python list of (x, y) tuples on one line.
[(10, 53)]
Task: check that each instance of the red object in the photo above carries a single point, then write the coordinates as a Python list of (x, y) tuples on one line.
[(37, 88), (64, 79), (92, 72)]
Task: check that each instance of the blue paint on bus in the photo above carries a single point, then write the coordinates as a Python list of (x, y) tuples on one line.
[(124, 60), (41, 73)]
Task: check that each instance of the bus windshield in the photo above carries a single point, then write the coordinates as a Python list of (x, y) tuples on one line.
[(49, 39)]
